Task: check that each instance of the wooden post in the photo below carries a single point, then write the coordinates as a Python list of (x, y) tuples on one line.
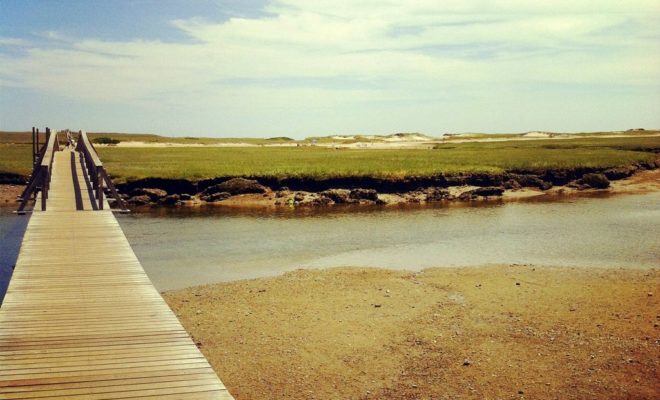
[(34, 151), (37, 152), (94, 173), (99, 194), (44, 188)]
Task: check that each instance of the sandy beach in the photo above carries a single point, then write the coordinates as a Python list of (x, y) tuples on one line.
[(492, 332)]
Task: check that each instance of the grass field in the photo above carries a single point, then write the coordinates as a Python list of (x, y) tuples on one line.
[(16, 158), (317, 162), (26, 137), (150, 138), (320, 162)]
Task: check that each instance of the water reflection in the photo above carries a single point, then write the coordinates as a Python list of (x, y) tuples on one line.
[(302, 211), (204, 211)]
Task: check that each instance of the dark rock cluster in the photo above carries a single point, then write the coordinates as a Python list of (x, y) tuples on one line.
[(366, 190), (236, 186), (490, 191), (152, 196)]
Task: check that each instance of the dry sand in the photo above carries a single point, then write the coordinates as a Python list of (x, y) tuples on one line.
[(379, 142), (494, 332)]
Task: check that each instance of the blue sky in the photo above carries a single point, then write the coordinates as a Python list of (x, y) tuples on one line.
[(301, 68)]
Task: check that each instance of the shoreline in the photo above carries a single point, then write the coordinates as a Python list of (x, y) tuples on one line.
[(236, 192), (263, 192), (639, 183), (504, 331), (158, 193)]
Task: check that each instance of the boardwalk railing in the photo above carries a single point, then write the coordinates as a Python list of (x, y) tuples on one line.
[(40, 178), (96, 172)]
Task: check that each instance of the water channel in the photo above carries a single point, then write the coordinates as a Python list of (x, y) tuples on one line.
[(184, 247)]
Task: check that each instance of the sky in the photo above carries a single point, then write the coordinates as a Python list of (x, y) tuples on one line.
[(300, 68)]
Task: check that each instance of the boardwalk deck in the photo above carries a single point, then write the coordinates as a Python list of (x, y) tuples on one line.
[(81, 320)]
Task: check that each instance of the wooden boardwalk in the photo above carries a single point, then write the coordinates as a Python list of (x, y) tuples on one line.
[(81, 320)]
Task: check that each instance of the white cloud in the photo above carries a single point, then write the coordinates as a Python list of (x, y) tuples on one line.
[(327, 51), (6, 41)]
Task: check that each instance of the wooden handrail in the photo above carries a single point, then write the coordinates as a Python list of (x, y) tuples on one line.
[(52, 145), (88, 148), (96, 172), (40, 178)]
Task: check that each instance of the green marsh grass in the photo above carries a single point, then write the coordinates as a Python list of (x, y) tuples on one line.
[(323, 163), (16, 158), (195, 163)]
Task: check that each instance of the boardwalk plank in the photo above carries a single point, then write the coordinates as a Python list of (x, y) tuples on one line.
[(81, 319)]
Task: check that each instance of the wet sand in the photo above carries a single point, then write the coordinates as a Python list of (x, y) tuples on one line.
[(505, 332), (9, 194)]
